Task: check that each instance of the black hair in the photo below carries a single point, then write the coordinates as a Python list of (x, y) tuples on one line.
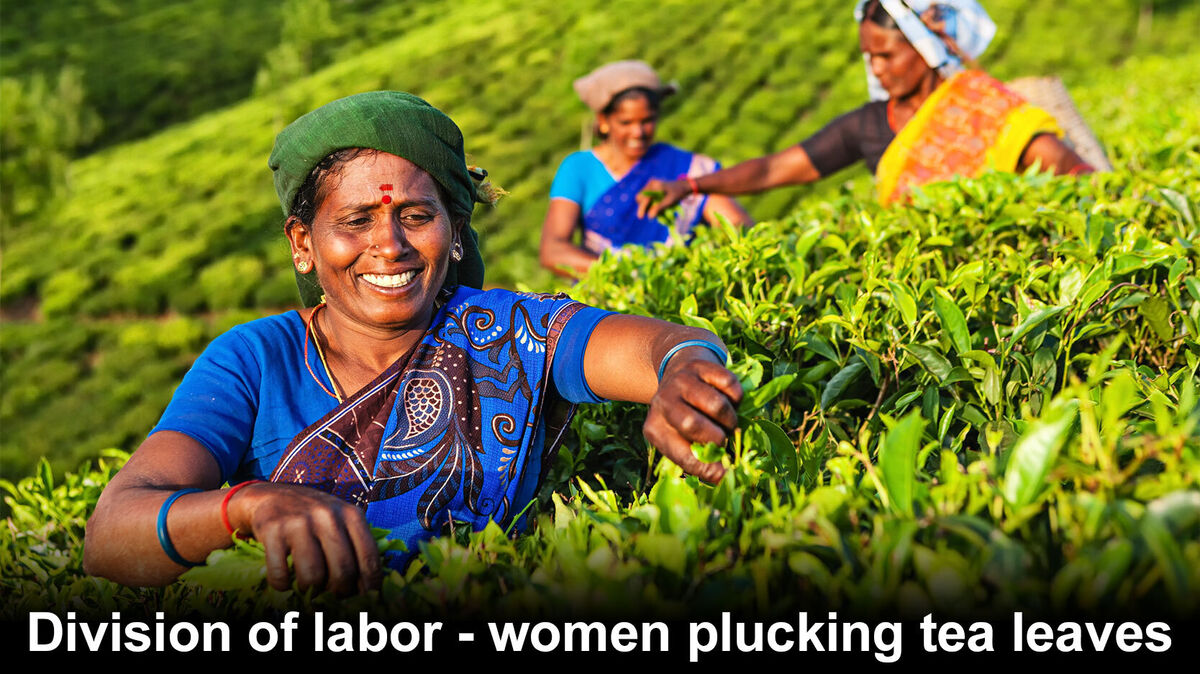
[(317, 184), (875, 12), (653, 99)]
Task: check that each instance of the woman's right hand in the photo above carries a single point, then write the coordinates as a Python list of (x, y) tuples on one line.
[(328, 539), (659, 195)]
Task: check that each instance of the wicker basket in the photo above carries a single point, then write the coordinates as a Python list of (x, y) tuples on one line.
[(1049, 94)]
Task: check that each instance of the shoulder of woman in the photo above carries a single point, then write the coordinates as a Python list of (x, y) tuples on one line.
[(575, 158), (499, 300), (264, 336)]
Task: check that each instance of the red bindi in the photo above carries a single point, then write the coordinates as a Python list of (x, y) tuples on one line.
[(386, 187), (387, 199)]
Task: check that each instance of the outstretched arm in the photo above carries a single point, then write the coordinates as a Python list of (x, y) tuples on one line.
[(328, 539), (1054, 155), (697, 399), (719, 205), (788, 167), (558, 252)]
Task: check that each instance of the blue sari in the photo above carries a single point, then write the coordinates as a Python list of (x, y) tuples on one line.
[(459, 429), (613, 222)]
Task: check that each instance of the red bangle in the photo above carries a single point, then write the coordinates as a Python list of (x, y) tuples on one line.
[(691, 181), (225, 503), (1081, 167)]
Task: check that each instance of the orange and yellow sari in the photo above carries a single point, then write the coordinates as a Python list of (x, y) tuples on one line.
[(970, 123)]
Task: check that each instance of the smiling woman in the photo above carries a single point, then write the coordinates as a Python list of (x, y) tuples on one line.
[(406, 398), (593, 191)]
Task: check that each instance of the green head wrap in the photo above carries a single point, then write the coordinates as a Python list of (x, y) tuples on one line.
[(390, 121)]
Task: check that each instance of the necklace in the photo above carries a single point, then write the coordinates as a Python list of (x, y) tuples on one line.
[(308, 331), (891, 114)]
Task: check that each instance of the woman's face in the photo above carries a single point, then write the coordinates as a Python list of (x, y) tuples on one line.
[(380, 242), (631, 126), (898, 66)]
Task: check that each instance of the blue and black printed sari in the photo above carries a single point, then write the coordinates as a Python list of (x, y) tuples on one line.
[(459, 429)]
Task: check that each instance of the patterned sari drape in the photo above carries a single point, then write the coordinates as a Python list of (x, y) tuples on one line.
[(970, 123), (613, 222), (457, 429)]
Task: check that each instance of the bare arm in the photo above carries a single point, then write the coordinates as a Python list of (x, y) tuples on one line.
[(697, 399), (329, 540), (788, 167), (558, 252), (1053, 155), (728, 208)]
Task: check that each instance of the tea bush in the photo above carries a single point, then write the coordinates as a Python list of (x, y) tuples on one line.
[(153, 226), (982, 401)]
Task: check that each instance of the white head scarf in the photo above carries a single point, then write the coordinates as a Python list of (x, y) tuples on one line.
[(966, 22)]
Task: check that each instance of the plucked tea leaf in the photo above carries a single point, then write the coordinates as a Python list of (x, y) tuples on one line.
[(243, 566)]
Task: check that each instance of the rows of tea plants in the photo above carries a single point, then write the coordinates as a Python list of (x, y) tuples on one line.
[(985, 400), (150, 64), (181, 227), (111, 376), (754, 77)]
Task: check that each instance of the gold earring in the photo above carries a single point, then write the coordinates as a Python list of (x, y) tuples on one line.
[(302, 266), (604, 129), (456, 253)]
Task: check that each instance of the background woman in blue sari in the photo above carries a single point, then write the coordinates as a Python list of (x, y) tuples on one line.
[(406, 398), (594, 192)]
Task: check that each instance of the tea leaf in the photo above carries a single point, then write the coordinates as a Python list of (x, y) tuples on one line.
[(1156, 312), (1034, 454), (783, 450), (1032, 321), (766, 393), (904, 303), (952, 321), (897, 461), (840, 382), (933, 361)]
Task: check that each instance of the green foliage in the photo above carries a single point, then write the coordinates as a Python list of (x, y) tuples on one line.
[(43, 124), (1052, 465), (306, 24), (985, 398)]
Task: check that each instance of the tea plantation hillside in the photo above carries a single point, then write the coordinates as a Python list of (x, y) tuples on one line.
[(981, 402), (152, 246), (152, 64)]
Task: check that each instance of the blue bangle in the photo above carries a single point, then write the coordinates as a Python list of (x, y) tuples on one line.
[(685, 344), (164, 539)]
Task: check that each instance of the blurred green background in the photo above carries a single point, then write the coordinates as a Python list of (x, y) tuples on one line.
[(139, 220)]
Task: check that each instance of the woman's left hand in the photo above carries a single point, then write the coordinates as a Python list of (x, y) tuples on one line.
[(696, 402)]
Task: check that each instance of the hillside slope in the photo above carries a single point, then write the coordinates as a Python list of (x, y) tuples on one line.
[(163, 242)]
